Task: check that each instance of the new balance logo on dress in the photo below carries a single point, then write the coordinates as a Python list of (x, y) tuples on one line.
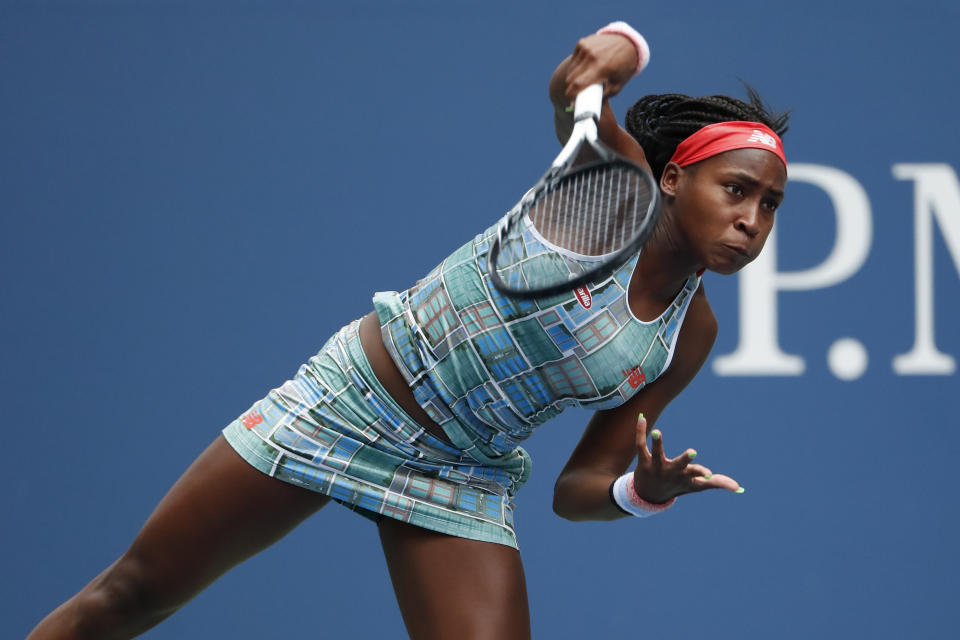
[(635, 376), (251, 419)]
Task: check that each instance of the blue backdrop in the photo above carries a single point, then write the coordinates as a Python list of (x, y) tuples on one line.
[(194, 195)]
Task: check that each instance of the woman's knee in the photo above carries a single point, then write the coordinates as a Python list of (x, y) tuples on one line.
[(127, 598)]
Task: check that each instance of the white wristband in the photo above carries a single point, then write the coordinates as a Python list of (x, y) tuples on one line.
[(625, 30), (625, 496)]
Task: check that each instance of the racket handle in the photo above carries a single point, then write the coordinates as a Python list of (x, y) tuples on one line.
[(588, 104)]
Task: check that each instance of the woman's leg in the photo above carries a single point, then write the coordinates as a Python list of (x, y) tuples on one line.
[(450, 587), (219, 513)]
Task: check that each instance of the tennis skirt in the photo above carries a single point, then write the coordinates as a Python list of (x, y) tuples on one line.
[(335, 430)]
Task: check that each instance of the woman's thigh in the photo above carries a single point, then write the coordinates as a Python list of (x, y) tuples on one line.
[(220, 512), (450, 587)]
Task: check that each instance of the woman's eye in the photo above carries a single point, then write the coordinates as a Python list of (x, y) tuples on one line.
[(771, 205), (734, 189)]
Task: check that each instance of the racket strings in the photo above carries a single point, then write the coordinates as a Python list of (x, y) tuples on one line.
[(593, 212)]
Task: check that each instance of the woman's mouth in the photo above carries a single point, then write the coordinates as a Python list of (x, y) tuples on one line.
[(738, 249)]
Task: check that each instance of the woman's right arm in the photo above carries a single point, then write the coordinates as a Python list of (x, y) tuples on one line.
[(610, 59)]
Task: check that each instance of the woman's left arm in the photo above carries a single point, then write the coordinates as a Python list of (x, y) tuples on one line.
[(615, 437)]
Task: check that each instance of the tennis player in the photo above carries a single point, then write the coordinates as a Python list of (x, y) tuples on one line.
[(412, 415)]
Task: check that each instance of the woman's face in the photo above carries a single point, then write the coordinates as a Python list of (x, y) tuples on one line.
[(724, 206)]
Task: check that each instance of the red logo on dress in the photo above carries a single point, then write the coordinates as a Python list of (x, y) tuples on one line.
[(635, 376), (251, 419), (583, 297)]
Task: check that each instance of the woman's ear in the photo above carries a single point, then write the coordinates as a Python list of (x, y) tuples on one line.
[(670, 178)]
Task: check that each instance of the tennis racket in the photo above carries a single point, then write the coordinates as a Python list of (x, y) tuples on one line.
[(589, 213)]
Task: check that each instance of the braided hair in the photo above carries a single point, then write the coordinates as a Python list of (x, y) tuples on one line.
[(661, 122)]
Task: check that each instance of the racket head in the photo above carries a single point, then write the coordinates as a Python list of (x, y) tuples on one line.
[(583, 219)]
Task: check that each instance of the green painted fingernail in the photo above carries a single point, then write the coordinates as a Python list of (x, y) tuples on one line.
[(640, 416), (655, 433), (708, 476), (693, 454), (740, 490), (569, 109)]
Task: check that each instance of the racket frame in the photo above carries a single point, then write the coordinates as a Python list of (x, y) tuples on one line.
[(587, 110)]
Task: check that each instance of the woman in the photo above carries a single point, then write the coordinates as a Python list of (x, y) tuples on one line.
[(412, 415)]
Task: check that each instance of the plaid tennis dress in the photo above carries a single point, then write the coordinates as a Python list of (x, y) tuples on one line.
[(487, 368)]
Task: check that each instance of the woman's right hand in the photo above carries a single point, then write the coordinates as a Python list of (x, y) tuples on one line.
[(609, 59)]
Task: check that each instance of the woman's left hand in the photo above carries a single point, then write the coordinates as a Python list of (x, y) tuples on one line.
[(657, 478)]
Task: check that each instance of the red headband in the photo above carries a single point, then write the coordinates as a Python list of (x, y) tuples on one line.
[(726, 136)]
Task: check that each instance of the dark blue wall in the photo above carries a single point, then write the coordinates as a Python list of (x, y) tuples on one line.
[(194, 195)]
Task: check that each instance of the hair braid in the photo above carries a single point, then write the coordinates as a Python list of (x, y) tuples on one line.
[(661, 122)]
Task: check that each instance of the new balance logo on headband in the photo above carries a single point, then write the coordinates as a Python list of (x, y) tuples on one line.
[(763, 138)]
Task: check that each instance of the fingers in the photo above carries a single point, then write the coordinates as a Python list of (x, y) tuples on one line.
[(681, 472), (685, 458), (717, 481), (656, 447), (698, 471), (641, 441), (600, 59), (583, 71), (702, 478), (578, 83)]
